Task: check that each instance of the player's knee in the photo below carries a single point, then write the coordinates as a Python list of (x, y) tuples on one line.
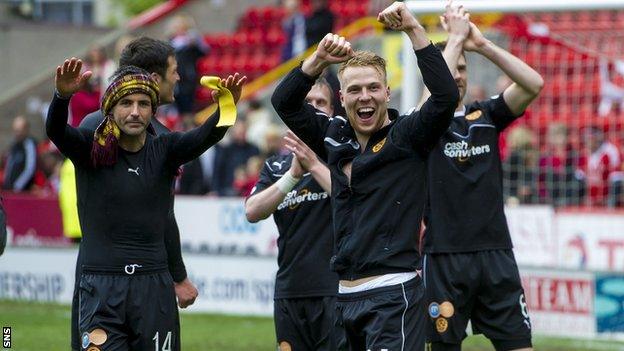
[(440, 346), (284, 346)]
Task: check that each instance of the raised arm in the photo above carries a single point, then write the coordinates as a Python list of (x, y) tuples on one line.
[(190, 145), (424, 128), (73, 143), (289, 97), (527, 83), (456, 22)]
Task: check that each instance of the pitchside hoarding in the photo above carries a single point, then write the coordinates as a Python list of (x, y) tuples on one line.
[(560, 303), (219, 226)]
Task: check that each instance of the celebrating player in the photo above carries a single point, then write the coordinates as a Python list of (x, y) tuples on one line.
[(469, 269), (295, 188), (129, 170), (158, 58), (377, 161)]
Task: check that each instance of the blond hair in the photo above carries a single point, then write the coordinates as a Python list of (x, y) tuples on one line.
[(364, 59)]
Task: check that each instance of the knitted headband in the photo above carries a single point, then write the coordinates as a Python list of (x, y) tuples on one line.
[(130, 84)]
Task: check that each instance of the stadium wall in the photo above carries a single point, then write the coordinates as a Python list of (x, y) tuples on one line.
[(560, 302)]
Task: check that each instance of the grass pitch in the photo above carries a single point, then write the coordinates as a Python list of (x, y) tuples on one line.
[(36, 326)]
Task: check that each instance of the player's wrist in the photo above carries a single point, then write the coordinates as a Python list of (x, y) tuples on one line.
[(486, 48), (287, 182), (313, 66)]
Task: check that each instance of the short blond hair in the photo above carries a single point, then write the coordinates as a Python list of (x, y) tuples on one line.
[(364, 59)]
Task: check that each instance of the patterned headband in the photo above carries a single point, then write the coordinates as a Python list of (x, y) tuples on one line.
[(130, 84)]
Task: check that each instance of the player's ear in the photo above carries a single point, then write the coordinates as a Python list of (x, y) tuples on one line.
[(156, 77), (341, 98)]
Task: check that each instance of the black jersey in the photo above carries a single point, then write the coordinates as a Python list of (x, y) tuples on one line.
[(377, 215), (305, 242), (465, 210), (123, 208), (172, 233)]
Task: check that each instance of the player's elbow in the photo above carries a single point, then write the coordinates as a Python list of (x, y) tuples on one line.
[(252, 213)]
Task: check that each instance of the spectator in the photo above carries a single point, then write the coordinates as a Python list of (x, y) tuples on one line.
[(560, 182), (274, 142), (21, 163), (294, 29), (230, 156), (246, 176), (189, 48), (519, 170), (476, 92), (47, 176), (193, 181), (319, 23), (258, 121), (610, 93), (101, 67), (601, 167)]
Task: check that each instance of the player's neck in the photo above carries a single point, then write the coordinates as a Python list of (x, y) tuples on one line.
[(132, 143)]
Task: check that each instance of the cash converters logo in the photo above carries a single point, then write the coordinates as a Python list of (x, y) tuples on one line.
[(294, 198), (462, 151)]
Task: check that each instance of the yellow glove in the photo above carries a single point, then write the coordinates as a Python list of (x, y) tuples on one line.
[(225, 100)]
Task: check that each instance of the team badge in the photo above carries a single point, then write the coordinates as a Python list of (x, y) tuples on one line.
[(379, 145), (85, 340), (446, 309), (434, 310), (441, 325), (97, 337), (474, 115), (93, 348)]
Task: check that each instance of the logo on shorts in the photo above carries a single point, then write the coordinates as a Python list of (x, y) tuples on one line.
[(474, 115), (95, 337), (446, 309), (441, 324), (85, 340), (379, 145), (434, 310)]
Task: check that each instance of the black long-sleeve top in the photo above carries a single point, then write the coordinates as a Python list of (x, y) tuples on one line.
[(376, 217), (172, 233), (123, 209)]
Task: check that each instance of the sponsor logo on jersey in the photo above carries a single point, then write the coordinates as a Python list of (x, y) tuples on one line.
[(379, 145), (462, 151), (441, 324), (446, 309), (474, 115), (294, 198), (434, 310)]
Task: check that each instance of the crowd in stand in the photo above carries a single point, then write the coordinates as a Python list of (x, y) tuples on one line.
[(538, 169)]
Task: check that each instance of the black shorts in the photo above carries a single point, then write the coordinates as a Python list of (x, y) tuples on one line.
[(129, 311), (483, 287), (308, 324), (390, 318)]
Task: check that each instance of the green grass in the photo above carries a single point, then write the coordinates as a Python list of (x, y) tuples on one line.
[(46, 327)]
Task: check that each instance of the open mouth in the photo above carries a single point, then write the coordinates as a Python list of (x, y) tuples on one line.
[(365, 113)]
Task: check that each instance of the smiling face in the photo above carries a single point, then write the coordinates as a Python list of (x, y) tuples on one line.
[(133, 114), (168, 82), (365, 95)]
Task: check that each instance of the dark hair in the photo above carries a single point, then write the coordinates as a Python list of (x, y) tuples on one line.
[(149, 54), (323, 82)]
